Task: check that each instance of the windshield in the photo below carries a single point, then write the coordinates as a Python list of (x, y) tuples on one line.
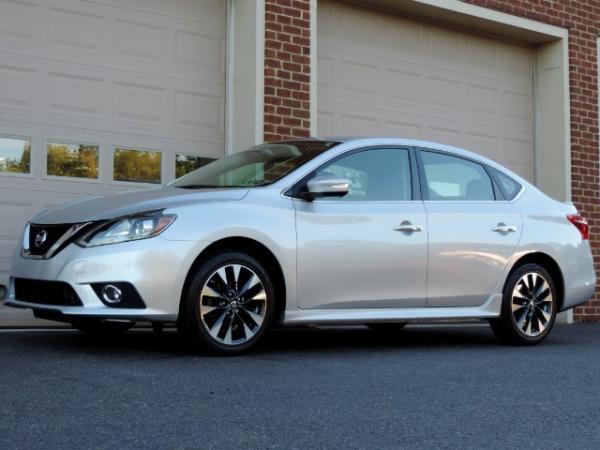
[(259, 166)]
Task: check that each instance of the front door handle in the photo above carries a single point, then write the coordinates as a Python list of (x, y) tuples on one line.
[(408, 227), (503, 228)]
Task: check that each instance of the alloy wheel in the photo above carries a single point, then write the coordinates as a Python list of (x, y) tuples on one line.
[(233, 304), (532, 304)]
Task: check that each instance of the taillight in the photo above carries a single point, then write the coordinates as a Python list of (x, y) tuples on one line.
[(581, 225)]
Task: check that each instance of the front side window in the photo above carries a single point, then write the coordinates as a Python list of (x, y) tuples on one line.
[(15, 155), (138, 166), (72, 160), (259, 166), (452, 178), (374, 175)]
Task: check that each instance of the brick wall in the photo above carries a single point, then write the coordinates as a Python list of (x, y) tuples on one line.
[(582, 19), (287, 100), (287, 69)]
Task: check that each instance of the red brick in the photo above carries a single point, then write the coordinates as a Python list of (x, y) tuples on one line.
[(287, 74)]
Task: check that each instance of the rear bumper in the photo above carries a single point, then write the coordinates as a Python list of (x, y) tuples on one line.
[(578, 295), (579, 276)]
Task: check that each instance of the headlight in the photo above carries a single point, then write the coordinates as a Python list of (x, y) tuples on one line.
[(127, 229)]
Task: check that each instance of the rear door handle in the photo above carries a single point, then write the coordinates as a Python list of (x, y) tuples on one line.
[(408, 227), (503, 228)]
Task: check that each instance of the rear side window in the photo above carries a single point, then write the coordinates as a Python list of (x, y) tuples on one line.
[(452, 178), (510, 188)]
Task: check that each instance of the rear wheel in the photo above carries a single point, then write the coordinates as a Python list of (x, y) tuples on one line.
[(228, 306), (529, 307), (101, 328), (386, 327)]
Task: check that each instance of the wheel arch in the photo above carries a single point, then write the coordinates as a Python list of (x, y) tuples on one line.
[(253, 248), (548, 263)]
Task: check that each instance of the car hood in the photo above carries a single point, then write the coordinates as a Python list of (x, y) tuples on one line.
[(126, 203)]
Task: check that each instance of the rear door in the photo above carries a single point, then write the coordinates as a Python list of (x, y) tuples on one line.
[(472, 231)]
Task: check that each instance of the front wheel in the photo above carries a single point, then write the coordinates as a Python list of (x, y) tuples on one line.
[(529, 307), (228, 306)]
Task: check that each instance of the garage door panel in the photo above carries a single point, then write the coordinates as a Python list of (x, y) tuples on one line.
[(482, 55), (19, 86), (402, 84), (482, 99), (401, 36), (357, 77), (139, 102), (72, 27), (199, 111), (140, 39), (75, 94), (201, 51), (16, 18), (403, 126), (417, 80), (444, 47)]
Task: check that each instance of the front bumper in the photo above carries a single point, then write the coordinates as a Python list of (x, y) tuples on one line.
[(155, 267)]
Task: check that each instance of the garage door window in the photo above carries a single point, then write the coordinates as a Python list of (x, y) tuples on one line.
[(185, 164), (15, 155), (138, 166), (451, 178), (72, 160)]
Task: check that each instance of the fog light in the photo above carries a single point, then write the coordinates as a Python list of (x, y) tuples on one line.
[(118, 294), (111, 294)]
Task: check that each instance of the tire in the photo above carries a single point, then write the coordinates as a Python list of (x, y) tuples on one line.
[(217, 316), (529, 307), (98, 328), (386, 327)]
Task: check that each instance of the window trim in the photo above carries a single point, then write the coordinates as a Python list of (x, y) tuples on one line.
[(296, 190), (423, 177)]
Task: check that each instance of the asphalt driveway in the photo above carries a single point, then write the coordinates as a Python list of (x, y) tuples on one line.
[(424, 387)]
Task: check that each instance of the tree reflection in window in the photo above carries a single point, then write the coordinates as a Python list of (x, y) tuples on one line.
[(185, 164), (138, 166), (72, 160), (15, 155)]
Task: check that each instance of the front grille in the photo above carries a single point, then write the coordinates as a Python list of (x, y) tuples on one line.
[(44, 292), (43, 237)]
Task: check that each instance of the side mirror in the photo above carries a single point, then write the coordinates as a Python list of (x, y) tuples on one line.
[(3, 292), (326, 186)]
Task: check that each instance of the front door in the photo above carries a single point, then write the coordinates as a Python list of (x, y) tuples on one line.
[(367, 249)]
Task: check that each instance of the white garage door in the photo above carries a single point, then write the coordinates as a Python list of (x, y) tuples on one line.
[(104, 95), (381, 74)]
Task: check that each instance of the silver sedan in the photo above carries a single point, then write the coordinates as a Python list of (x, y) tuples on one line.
[(379, 232)]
